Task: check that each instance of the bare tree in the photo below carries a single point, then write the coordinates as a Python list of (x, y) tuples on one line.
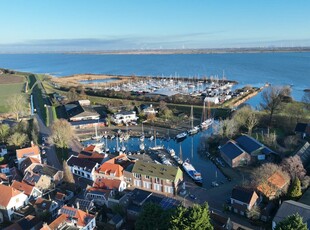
[(68, 176), (294, 167), (17, 105), (72, 95), (272, 98), (226, 128), (62, 133), (251, 122), (306, 100)]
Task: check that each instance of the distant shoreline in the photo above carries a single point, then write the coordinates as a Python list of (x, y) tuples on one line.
[(177, 51)]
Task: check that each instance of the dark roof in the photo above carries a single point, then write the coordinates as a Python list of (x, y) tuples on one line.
[(231, 150), (139, 196), (76, 110), (26, 223), (87, 122), (290, 207), (242, 194), (83, 204), (116, 219), (80, 162), (248, 143), (267, 150), (45, 170), (301, 127)]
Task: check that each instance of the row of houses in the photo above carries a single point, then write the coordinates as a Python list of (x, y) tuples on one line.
[(121, 172)]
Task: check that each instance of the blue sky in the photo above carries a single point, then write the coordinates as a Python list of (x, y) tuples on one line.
[(53, 25)]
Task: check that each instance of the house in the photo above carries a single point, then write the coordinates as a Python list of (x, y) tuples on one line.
[(83, 204), (43, 177), (3, 150), (147, 109), (274, 185), (124, 117), (33, 152), (116, 221), (113, 168), (62, 196), (138, 197), (93, 156), (29, 222), (29, 190), (98, 195), (82, 167), (253, 147), (303, 129), (72, 218), (163, 179), (112, 184), (81, 115), (233, 155), (11, 199), (213, 100), (243, 200), (304, 153), (27, 162), (5, 169), (43, 206), (80, 111), (290, 207)]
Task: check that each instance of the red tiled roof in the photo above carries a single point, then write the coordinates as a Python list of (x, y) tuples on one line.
[(107, 183), (81, 217), (30, 151), (23, 187), (7, 193), (108, 168)]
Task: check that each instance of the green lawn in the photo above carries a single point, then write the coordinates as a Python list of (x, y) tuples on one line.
[(6, 91)]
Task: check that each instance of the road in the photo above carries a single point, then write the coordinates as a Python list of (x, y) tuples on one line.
[(50, 149)]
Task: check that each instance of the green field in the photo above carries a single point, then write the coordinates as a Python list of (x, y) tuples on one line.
[(6, 91)]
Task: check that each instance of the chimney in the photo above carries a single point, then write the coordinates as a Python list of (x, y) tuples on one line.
[(32, 144), (77, 205)]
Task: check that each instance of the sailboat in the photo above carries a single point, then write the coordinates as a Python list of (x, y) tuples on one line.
[(156, 147), (142, 135), (106, 142), (206, 122), (195, 129), (96, 137), (178, 159)]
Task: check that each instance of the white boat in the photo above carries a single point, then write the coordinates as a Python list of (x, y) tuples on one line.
[(192, 172), (171, 152), (142, 138), (181, 136), (207, 123), (142, 146), (193, 130), (151, 138), (157, 147)]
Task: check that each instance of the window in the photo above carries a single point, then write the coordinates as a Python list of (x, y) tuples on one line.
[(157, 180), (137, 183), (147, 184), (157, 187), (168, 189), (137, 175), (147, 177)]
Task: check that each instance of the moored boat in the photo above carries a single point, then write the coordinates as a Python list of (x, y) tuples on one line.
[(191, 171), (181, 136), (193, 130)]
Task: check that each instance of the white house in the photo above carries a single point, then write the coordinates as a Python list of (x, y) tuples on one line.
[(98, 195), (82, 167), (29, 190), (11, 199), (214, 100), (124, 117)]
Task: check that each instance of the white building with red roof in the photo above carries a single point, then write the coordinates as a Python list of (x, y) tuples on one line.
[(11, 199), (33, 152)]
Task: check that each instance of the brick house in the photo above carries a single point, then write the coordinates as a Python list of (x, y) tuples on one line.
[(243, 200), (156, 178), (233, 155)]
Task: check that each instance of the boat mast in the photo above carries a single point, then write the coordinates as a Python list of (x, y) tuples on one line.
[(192, 117), (180, 153)]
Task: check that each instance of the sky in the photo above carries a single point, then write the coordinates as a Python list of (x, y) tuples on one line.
[(89, 25)]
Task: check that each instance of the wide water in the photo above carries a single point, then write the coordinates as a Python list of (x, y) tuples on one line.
[(254, 69)]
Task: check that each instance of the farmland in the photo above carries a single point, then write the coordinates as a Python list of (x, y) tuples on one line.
[(10, 84)]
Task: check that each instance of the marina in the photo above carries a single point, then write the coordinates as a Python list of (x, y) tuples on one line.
[(170, 151)]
